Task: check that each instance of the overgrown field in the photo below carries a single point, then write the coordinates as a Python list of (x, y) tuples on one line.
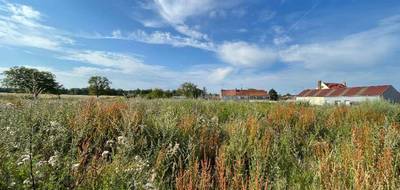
[(193, 144)]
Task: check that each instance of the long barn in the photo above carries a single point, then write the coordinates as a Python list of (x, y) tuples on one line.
[(349, 95)]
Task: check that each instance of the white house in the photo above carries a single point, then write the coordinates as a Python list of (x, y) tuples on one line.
[(349, 95)]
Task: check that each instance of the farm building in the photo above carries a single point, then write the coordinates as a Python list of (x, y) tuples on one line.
[(250, 94), (348, 95), (326, 85)]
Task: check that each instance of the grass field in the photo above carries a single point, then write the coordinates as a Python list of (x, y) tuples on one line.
[(192, 144)]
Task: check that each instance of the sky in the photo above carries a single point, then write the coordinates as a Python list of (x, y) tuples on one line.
[(283, 44)]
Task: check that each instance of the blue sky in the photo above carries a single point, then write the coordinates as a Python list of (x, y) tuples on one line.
[(283, 44)]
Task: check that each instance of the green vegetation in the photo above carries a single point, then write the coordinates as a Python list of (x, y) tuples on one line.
[(30, 80), (193, 144), (273, 95), (190, 90), (98, 85)]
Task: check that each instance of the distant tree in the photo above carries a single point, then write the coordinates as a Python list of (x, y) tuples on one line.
[(30, 80), (189, 90), (273, 95), (58, 90), (98, 85), (156, 93)]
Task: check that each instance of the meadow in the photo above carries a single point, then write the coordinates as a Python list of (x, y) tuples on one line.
[(115, 143)]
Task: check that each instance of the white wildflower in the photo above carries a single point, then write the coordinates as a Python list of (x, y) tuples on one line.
[(12, 184), (53, 160), (27, 182), (75, 166), (121, 140), (9, 104), (128, 170), (173, 150), (25, 158), (149, 185), (110, 143), (41, 163), (153, 175), (214, 119), (106, 155), (54, 124)]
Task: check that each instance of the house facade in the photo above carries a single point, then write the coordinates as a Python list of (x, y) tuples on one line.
[(249, 94), (349, 95)]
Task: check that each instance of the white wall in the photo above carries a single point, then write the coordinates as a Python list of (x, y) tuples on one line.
[(340, 99)]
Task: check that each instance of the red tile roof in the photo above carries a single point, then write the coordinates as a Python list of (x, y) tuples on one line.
[(353, 91), (335, 85), (250, 92)]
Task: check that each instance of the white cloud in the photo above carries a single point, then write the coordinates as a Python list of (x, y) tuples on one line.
[(371, 47), (219, 74), (159, 37), (24, 11), (186, 30), (117, 61), (282, 40), (243, 54), (152, 23), (20, 26), (177, 11)]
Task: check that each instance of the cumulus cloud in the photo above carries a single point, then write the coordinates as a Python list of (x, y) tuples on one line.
[(243, 54)]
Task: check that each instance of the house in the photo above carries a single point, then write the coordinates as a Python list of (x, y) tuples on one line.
[(249, 94), (349, 95), (326, 85)]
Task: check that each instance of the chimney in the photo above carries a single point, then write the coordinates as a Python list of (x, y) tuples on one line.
[(319, 84)]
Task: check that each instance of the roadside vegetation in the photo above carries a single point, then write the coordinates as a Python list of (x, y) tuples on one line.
[(194, 144)]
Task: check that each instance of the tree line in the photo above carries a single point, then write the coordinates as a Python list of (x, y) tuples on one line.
[(35, 82)]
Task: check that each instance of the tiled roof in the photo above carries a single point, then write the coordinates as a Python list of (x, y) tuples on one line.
[(334, 85), (353, 91), (250, 92)]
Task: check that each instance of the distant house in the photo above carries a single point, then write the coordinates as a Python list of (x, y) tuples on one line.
[(326, 85), (348, 95), (249, 94)]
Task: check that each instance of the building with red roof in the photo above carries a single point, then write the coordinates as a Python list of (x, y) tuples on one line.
[(240, 94), (337, 94), (330, 85)]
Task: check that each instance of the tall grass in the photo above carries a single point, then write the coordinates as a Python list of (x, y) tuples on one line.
[(166, 144)]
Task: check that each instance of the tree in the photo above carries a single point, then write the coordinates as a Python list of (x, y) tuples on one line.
[(98, 85), (30, 80), (189, 90), (273, 95)]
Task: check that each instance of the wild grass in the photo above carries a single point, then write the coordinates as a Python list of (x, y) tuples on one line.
[(193, 144)]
